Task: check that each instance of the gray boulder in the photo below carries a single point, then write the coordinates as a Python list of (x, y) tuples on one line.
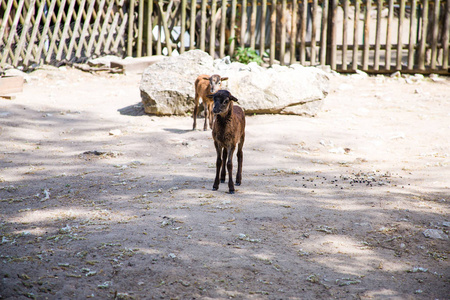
[(167, 87)]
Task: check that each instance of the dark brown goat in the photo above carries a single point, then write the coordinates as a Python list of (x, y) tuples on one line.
[(204, 86), (228, 131)]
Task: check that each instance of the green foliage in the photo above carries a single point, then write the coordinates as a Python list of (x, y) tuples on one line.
[(247, 55)]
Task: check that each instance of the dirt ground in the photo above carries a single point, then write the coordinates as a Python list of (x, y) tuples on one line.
[(99, 200)]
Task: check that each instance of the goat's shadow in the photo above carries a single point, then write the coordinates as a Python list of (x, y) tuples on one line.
[(134, 110), (177, 130)]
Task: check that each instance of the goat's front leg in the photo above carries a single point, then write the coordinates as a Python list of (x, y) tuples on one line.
[(223, 174), (218, 165), (240, 155), (205, 126), (230, 169), (211, 115)]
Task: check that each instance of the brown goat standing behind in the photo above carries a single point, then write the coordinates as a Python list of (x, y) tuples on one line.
[(228, 131), (204, 86)]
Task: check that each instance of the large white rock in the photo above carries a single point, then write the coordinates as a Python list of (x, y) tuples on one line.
[(167, 87)]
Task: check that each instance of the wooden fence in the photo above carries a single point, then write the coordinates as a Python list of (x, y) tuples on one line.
[(373, 35)]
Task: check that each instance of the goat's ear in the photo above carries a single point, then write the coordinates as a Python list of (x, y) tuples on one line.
[(210, 96), (224, 78), (233, 98)]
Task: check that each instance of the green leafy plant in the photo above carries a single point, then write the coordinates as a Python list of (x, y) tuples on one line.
[(247, 55)]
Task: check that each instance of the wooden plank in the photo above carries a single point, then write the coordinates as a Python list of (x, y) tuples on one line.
[(34, 33), (165, 25), (273, 20), (434, 40), (140, 39), (344, 34), (11, 84), (423, 41), (149, 40), (55, 32), (283, 31), (232, 27), (243, 23), (13, 30), (401, 19), (223, 23), (262, 39), (333, 41), (387, 64), (203, 26), (130, 26), (212, 32), (356, 36), (25, 28), (303, 32), (253, 25), (75, 34), (192, 25), (313, 32), (183, 26), (412, 22), (110, 34), (445, 39), (366, 41), (121, 34), (85, 29), (293, 37), (64, 35), (376, 63)]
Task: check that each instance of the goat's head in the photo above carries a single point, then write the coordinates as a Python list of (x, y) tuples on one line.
[(215, 81), (223, 101)]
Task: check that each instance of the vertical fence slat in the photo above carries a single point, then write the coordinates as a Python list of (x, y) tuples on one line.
[(314, 32), (412, 21), (253, 25), (140, 38), (323, 35), (130, 29), (333, 43), (423, 41), (222, 28), (165, 25), (376, 63), (303, 32), (243, 22), (445, 38), (356, 36), (192, 25), (183, 26), (203, 25), (400, 35), (344, 35), (212, 33), (387, 64), (232, 27), (293, 32), (283, 31), (434, 40), (366, 40), (262, 40), (149, 41), (273, 20)]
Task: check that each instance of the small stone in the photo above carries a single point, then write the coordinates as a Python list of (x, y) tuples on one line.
[(435, 234), (115, 132)]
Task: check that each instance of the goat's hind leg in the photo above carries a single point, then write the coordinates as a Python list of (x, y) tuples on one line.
[(240, 157), (205, 106), (218, 166), (223, 174), (195, 111), (230, 170)]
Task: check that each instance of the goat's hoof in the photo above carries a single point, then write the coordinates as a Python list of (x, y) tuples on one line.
[(222, 180), (237, 183), (215, 189), (231, 192)]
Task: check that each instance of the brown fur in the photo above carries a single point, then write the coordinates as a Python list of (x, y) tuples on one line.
[(228, 131), (204, 86)]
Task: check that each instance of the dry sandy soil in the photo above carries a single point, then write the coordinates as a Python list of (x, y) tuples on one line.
[(99, 200)]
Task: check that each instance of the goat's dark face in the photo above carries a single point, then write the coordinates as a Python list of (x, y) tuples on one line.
[(215, 81), (223, 101)]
